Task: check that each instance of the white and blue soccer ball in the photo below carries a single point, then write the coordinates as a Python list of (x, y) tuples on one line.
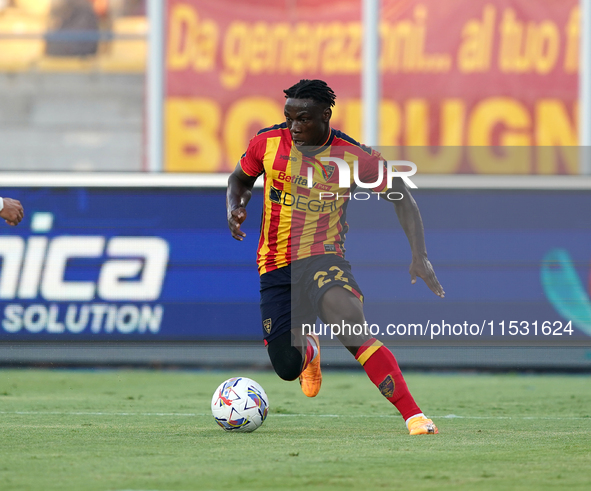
[(239, 404)]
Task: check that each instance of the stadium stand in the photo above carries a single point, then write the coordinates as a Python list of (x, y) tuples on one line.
[(26, 25)]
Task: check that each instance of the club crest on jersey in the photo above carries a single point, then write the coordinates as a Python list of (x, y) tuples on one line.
[(387, 387), (267, 325), (328, 172)]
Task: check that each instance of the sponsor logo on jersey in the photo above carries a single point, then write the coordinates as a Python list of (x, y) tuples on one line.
[(302, 181), (301, 202)]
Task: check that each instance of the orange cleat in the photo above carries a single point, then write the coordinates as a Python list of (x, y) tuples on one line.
[(311, 377), (420, 425)]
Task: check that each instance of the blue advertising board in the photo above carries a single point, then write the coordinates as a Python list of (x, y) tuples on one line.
[(160, 264)]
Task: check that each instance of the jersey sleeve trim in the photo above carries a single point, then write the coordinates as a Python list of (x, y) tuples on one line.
[(251, 161), (247, 173)]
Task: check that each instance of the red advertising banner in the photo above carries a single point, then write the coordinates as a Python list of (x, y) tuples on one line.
[(460, 79)]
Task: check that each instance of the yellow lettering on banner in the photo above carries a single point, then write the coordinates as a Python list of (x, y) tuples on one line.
[(337, 120), (242, 116), (420, 14), (546, 48), (327, 48), (192, 143), (182, 19), (278, 39), (301, 47), (390, 123), (507, 46), (391, 126), (555, 130), (351, 122), (485, 155), (236, 54), (334, 46), (493, 111), (191, 43), (396, 43), (206, 47), (260, 50), (446, 157), (417, 122), (500, 132), (403, 47), (453, 121), (571, 54), (477, 41), (315, 43), (531, 48), (352, 54)]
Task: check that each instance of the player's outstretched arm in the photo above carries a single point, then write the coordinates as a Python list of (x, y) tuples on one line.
[(412, 224), (12, 211), (238, 195)]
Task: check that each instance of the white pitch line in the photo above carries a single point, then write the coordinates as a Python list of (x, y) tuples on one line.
[(96, 413), (282, 415)]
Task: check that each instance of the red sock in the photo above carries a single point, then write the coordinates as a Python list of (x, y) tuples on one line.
[(382, 369)]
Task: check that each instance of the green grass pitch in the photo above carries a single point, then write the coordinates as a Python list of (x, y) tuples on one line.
[(153, 430)]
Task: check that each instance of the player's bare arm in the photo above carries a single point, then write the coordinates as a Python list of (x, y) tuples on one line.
[(12, 211), (238, 195), (412, 224)]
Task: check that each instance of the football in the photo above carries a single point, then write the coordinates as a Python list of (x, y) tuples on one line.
[(239, 404)]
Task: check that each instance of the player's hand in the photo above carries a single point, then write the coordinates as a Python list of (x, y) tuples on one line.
[(235, 219), (421, 267), (12, 212)]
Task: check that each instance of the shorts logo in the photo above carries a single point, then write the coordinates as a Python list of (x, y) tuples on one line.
[(387, 387), (267, 325)]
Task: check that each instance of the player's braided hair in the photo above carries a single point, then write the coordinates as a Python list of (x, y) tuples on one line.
[(317, 90)]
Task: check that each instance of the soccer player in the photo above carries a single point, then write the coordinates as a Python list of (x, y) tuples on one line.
[(11, 210), (303, 273)]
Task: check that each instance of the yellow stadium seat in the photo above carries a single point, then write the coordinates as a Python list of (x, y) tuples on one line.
[(20, 54), (30, 17), (34, 7), (126, 55), (67, 64)]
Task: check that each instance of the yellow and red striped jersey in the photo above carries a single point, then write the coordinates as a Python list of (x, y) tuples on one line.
[(301, 221)]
